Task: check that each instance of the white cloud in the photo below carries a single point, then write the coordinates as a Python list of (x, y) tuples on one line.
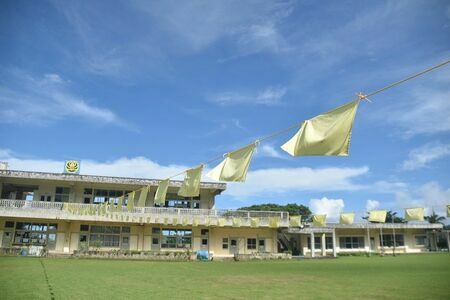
[(269, 96), (140, 167), (430, 195), (270, 151), (276, 181), (422, 156), (47, 99), (198, 24), (425, 111), (279, 181), (331, 207), (372, 204)]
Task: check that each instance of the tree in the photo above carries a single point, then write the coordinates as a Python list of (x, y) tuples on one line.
[(389, 216), (292, 208), (435, 219)]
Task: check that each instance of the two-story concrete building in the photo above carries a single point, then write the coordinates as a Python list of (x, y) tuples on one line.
[(65, 212)]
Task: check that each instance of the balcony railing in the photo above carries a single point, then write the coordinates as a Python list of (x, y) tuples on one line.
[(150, 215)]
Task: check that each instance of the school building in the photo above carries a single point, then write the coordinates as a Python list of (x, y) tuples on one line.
[(65, 212)]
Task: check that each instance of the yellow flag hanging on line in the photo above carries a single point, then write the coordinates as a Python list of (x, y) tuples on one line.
[(221, 222), (236, 222), (191, 183), (120, 203), (448, 210), (130, 203), (235, 166), (346, 218), (160, 196), (273, 222), (326, 134), (195, 222), (319, 220), (143, 196), (185, 221), (377, 216), (414, 214), (254, 222), (295, 221)]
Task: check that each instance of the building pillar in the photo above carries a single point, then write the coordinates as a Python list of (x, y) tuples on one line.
[(312, 244), (323, 244), (448, 239), (368, 241), (334, 242)]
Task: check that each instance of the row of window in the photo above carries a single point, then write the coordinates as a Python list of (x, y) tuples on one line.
[(251, 243), (97, 196), (358, 242)]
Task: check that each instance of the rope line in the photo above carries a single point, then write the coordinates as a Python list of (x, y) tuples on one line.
[(360, 97)]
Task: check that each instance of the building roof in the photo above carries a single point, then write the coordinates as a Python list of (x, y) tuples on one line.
[(101, 179)]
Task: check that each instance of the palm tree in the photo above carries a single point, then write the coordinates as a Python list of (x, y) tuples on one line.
[(435, 219)]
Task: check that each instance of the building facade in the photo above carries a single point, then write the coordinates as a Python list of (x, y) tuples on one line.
[(67, 212)]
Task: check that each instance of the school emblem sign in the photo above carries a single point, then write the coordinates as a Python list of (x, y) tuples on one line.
[(72, 167)]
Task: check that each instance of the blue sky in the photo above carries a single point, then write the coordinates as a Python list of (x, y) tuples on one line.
[(150, 88)]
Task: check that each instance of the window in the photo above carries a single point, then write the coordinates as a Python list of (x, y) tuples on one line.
[(317, 243), (88, 191), (62, 194), (351, 242), (110, 196), (251, 244), (176, 238), (156, 230), (155, 241), (225, 243), (104, 236), (388, 240), (9, 224), (125, 229), (32, 234), (87, 200), (262, 245), (173, 200), (204, 242), (421, 240), (84, 227), (204, 232), (52, 227)]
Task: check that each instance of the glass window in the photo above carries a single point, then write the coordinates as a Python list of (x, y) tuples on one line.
[(125, 229), (52, 227), (317, 242), (204, 242), (251, 244), (156, 230), (9, 224), (421, 240), (62, 194), (388, 240), (155, 241), (88, 191), (225, 243), (204, 232), (262, 243), (32, 234), (176, 238), (351, 242), (84, 227)]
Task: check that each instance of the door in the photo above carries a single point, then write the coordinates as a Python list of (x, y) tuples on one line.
[(372, 244), (234, 246), (7, 238), (237, 245)]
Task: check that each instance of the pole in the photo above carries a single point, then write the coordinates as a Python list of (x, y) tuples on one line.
[(368, 239), (381, 240), (393, 235)]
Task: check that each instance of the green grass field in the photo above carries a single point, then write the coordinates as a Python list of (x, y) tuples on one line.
[(424, 276)]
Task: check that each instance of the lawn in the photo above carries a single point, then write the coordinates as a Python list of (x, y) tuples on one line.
[(425, 276)]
